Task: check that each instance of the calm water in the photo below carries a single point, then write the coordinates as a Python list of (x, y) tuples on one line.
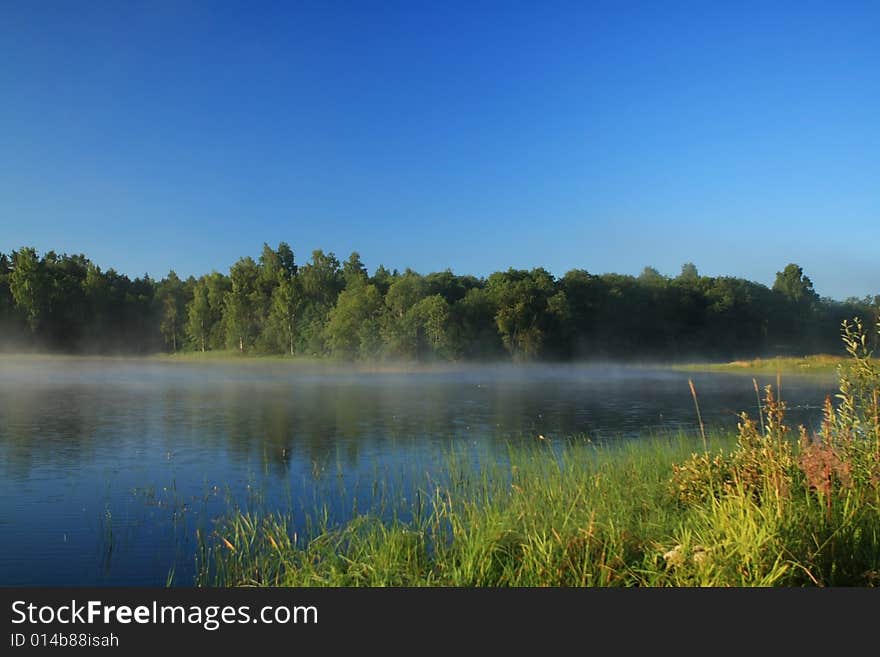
[(108, 467)]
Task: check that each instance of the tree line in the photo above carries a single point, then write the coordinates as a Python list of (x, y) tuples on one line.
[(323, 307)]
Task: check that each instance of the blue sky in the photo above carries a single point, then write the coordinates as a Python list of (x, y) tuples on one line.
[(474, 136)]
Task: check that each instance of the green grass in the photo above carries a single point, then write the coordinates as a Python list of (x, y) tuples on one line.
[(231, 355), (299, 360), (813, 364), (576, 515)]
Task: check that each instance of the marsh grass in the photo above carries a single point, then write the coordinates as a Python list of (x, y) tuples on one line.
[(767, 506), (820, 364), (532, 518)]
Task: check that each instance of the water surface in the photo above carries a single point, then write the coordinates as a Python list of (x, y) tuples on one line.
[(109, 466)]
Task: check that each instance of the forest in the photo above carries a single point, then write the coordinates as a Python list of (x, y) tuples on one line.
[(324, 307)]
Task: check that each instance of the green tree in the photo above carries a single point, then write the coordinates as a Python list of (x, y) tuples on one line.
[(382, 279), (448, 285), (170, 321), (286, 303), (737, 316), (29, 285), (7, 303), (65, 320), (795, 319), (474, 332), (199, 317), (689, 272), (321, 280), (794, 285), (286, 262), (242, 300), (353, 322), (650, 276), (171, 297), (431, 316), (66, 302), (277, 267), (523, 313), (583, 294), (353, 270), (218, 285), (400, 327), (96, 289)]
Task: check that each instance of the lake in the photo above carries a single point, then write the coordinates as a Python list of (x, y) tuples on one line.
[(110, 466)]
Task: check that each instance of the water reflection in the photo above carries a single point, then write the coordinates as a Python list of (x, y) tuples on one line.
[(108, 467)]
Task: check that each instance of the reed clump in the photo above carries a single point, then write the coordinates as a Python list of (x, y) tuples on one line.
[(759, 465), (771, 505)]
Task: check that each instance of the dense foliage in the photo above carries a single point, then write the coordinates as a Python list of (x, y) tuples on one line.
[(324, 307)]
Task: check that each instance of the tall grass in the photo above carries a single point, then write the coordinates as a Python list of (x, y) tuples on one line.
[(769, 506), (572, 514)]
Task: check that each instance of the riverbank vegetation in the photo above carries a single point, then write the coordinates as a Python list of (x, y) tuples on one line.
[(773, 505), (812, 364), (324, 307)]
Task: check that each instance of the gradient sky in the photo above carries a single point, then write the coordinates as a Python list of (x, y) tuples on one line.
[(475, 136)]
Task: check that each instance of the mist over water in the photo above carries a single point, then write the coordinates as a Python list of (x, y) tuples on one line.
[(110, 465)]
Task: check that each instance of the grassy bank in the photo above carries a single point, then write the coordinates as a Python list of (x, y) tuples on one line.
[(769, 506), (232, 355), (813, 364), (328, 363), (644, 514)]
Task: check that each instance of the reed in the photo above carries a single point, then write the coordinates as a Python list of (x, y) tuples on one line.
[(699, 417)]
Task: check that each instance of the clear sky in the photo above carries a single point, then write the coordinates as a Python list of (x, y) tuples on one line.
[(474, 136)]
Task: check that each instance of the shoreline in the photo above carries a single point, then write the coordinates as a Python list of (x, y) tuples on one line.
[(813, 364)]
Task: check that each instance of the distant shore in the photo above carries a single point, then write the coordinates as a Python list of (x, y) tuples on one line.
[(232, 357), (812, 364), (819, 364)]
